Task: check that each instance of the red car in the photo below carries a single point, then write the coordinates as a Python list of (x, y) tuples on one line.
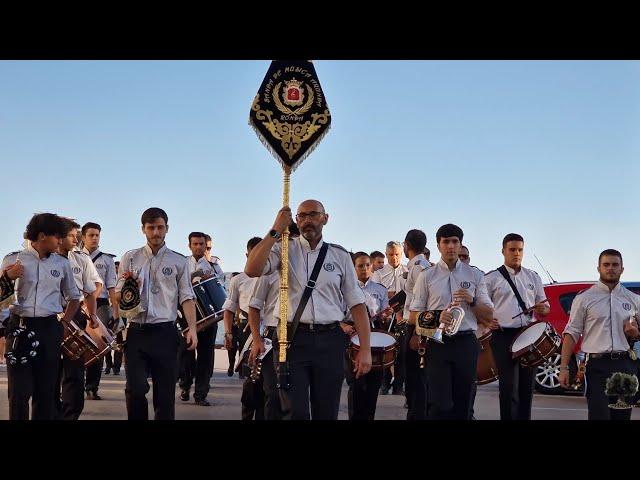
[(560, 296)]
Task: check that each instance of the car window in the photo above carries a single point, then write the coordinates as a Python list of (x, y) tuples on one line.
[(566, 299)]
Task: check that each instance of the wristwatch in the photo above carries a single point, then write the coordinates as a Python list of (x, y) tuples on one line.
[(274, 234)]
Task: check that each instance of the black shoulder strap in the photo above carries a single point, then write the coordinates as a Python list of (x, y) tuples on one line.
[(97, 257), (306, 295), (507, 277)]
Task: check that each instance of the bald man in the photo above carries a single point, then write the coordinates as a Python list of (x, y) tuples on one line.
[(316, 351)]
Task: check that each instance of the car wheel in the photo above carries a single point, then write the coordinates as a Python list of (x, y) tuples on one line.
[(547, 375)]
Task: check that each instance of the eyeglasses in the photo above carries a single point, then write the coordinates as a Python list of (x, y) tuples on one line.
[(463, 256), (311, 215), (208, 248)]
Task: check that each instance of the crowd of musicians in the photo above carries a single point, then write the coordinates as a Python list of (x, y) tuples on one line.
[(416, 330)]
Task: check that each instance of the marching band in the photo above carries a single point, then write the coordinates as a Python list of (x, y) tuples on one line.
[(454, 327)]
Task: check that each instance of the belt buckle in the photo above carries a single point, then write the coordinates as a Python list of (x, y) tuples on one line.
[(615, 355), (311, 327)]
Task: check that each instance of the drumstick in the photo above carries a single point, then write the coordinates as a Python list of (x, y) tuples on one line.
[(529, 310)]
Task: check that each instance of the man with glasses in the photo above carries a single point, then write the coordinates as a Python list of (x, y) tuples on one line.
[(393, 277), (315, 356)]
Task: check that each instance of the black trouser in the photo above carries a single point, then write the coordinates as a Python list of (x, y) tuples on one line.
[(236, 345), (398, 368), (199, 367), (316, 369), (37, 379), (272, 409), (515, 381), (114, 362), (252, 399), (598, 371), (451, 374), (415, 381), (71, 381), (94, 371), (362, 397), (153, 348)]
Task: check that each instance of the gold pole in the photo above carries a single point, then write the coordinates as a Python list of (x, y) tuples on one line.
[(284, 276)]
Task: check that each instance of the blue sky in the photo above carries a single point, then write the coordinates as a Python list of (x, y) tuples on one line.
[(547, 149)]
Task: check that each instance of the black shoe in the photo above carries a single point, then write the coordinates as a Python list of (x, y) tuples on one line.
[(93, 396), (203, 403), (184, 395), (397, 391), (230, 371), (384, 391), (116, 372), (106, 371)]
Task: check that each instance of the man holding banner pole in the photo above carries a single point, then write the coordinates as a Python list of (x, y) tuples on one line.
[(316, 348)]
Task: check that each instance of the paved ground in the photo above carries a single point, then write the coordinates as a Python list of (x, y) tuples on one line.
[(225, 399)]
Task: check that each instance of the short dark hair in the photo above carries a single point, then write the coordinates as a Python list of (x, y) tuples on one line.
[(427, 253), (357, 255), (376, 254), (69, 224), (253, 242), (47, 223), (449, 230), (89, 225), (197, 235), (611, 252), (464, 246), (152, 214), (511, 237), (207, 237), (416, 240)]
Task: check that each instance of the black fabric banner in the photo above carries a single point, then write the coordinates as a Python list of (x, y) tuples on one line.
[(290, 113)]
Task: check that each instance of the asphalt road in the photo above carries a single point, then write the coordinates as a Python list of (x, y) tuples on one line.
[(225, 399)]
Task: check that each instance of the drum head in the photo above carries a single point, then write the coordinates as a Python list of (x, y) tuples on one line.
[(378, 339), (528, 336)]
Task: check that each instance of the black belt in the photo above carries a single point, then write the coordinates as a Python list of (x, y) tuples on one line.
[(150, 326), (463, 333), (317, 327), (610, 355), (49, 317)]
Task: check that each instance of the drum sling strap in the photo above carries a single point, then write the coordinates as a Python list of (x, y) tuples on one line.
[(308, 289), (503, 271)]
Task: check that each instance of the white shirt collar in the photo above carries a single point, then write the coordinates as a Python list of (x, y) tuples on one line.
[(444, 266), (147, 249), (605, 288), (306, 247), (512, 271)]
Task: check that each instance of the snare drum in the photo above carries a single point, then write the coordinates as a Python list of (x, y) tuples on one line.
[(535, 344), (383, 349), (486, 371), (210, 296), (89, 344)]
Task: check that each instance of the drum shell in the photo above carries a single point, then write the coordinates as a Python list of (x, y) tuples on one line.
[(88, 345), (381, 357), (539, 351), (210, 297), (487, 370)]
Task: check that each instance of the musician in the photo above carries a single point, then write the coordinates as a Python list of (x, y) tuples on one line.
[(216, 262), (515, 381), (451, 366), (264, 299), (414, 376), (42, 278), (152, 343), (363, 392), (191, 366), (377, 260), (71, 381), (235, 315), (465, 257), (606, 317), (108, 314), (393, 277), (427, 255), (316, 353)]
